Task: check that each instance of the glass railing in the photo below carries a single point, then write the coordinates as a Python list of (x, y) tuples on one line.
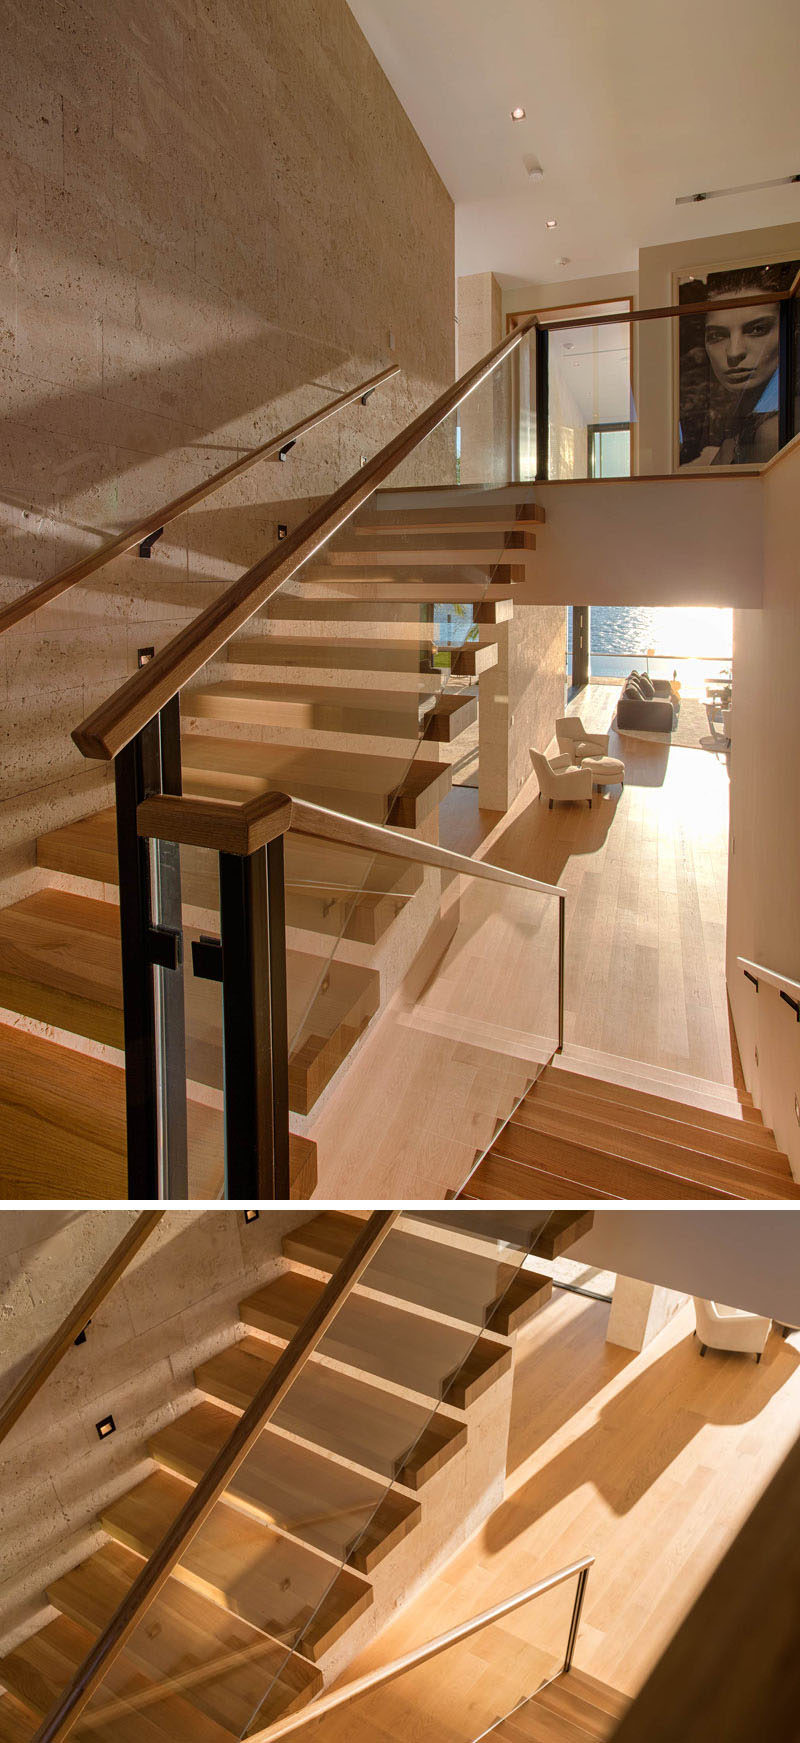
[(269, 1598), (458, 1687), (712, 387)]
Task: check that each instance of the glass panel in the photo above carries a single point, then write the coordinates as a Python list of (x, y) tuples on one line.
[(468, 1687), (204, 1024), (248, 1622)]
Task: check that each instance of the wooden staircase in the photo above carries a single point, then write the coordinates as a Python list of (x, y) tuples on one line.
[(301, 1549), (581, 1136), (570, 1709), (288, 717)]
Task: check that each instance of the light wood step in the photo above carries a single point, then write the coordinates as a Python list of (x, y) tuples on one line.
[(430, 551), (63, 1127), (750, 1126), (494, 609), (380, 789), (320, 880), (469, 659), (543, 1232), (451, 716), (63, 966), (588, 1167), (274, 1582), (380, 1431), (324, 708), (501, 1178), (442, 520), (221, 1665), (128, 1707), (700, 1161), (682, 1131), (585, 1701), (441, 1278), (382, 589), (326, 1504), (18, 1724), (385, 1340), (408, 659)]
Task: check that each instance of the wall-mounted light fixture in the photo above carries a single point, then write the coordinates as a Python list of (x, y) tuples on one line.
[(105, 1428), (518, 114), (251, 1216)]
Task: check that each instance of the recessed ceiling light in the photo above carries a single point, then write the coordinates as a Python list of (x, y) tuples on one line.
[(551, 223), (518, 114)]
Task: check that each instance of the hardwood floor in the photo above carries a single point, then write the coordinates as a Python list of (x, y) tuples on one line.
[(645, 872), (649, 1462)]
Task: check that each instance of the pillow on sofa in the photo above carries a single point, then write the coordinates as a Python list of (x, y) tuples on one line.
[(646, 687), (632, 693)]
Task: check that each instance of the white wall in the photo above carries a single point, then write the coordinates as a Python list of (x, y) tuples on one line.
[(743, 1257), (764, 860), (676, 541)]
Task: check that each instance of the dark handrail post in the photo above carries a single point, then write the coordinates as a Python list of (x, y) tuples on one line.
[(787, 361), (152, 974), (255, 1023), (542, 404), (575, 1623), (562, 935)]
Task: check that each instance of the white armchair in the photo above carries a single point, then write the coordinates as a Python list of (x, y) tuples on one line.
[(730, 1328), (573, 738), (559, 778)]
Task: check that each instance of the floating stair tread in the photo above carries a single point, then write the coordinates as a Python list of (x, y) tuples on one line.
[(443, 1278), (135, 1709), (393, 1344), (471, 658), (500, 1177), (613, 1175), (378, 1430), (357, 783), (545, 1234), (731, 1114), (302, 1492), (65, 955), (62, 1121), (475, 548), (311, 706), (434, 520), (737, 1148), (699, 1160), (276, 1583), (405, 655), (451, 716), (18, 1724), (224, 1665)]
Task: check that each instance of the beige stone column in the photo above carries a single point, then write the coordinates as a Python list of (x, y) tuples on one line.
[(639, 1311)]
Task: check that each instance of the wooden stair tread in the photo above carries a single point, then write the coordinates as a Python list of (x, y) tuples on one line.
[(18, 1724), (450, 717), (680, 1131), (135, 1709), (378, 788), (380, 1431), (749, 1127), (469, 659), (545, 1234), (385, 1340), (225, 1665), (470, 548), (589, 1167), (67, 970), (650, 1148), (590, 1689), (443, 1278), (325, 708), (504, 519), (503, 1178), (276, 1583), (407, 657), (302, 1492)]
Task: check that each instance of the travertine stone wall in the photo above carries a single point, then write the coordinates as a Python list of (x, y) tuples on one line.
[(213, 215), (176, 1305)]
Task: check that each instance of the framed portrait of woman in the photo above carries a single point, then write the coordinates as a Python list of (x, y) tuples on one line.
[(728, 366)]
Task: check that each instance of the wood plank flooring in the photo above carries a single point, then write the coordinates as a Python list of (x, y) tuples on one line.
[(646, 874), (649, 1462)]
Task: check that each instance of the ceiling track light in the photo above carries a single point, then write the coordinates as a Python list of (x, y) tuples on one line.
[(746, 188)]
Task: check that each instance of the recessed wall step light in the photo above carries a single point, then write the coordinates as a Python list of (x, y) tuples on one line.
[(551, 223), (105, 1428), (518, 114)]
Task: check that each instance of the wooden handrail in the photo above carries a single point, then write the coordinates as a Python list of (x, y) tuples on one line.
[(387, 1673), (75, 1321), (239, 829), (105, 731), (66, 578), (211, 1487), (633, 316)]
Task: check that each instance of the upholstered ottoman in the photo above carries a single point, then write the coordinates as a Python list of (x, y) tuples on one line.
[(605, 771)]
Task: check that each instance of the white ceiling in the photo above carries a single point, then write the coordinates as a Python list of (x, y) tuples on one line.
[(628, 104)]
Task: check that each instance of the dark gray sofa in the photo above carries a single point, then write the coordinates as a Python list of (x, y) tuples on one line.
[(657, 714)]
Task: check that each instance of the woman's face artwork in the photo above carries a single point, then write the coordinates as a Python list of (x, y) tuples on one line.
[(742, 347)]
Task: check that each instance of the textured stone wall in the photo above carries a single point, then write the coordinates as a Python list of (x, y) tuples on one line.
[(213, 214)]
